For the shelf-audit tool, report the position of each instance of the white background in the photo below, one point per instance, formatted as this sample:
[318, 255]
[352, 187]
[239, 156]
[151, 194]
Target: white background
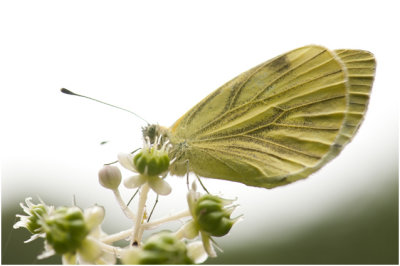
[160, 58]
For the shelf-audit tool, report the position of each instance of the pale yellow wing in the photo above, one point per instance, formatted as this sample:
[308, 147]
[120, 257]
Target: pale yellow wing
[278, 122]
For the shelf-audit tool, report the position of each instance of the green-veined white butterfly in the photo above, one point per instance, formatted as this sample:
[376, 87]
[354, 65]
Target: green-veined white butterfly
[277, 122]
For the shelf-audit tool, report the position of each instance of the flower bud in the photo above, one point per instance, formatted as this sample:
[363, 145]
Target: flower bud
[161, 248]
[151, 162]
[33, 223]
[110, 177]
[211, 216]
[65, 229]
[34, 219]
[94, 216]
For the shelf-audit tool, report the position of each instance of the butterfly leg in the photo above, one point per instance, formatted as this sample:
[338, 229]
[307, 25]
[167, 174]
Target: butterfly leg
[187, 174]
[130, 200]
[198, 178]
[201, 183]
[154, 206]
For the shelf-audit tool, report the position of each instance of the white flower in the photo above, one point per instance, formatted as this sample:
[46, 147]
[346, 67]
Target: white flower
[34, 220]
[156, 183]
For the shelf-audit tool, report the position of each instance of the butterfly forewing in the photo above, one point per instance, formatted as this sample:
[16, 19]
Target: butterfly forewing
[279, 121]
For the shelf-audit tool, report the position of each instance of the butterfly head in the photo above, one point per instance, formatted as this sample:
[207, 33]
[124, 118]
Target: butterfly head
[154, 132]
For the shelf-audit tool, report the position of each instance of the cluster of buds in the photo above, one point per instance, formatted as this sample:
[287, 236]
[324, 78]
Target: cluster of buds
[76, 235]
[68, 231]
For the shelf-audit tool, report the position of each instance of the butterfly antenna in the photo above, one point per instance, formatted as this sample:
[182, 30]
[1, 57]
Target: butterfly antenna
[116, 161]
[63, 90]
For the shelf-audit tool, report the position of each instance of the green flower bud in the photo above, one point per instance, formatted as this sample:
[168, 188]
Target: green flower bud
[151, 161]
[164, 248]
[211, 216]
[65, 229]
[110, 177]
[33, 223]
[34, 220]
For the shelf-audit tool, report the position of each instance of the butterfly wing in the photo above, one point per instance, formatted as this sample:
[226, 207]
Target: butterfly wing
[278, 122]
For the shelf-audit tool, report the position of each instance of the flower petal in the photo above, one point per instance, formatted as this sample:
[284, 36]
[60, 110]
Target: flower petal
[131, 255]
[22, 222]
[69, 259]
[135, 181]
[160, 186]
[190, 230]
[94, 216]
[207, 244]
[197, 252]
[97, 233]
[89, 251]
[106, 259]
[48, 251]
[28, 202]
[126, 160]
[34, 237]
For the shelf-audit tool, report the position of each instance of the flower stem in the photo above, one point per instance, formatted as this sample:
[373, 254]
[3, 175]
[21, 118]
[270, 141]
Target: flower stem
[108, 248]
[128, 213]
[174, 217]
[140, 212]
[118, 236]
[180, 233]
[126, 233]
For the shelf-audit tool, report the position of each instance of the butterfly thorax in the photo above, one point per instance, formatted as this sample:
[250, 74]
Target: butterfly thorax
[180, 156]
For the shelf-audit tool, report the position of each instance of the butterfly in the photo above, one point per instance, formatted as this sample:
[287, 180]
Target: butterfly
[277, 122]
